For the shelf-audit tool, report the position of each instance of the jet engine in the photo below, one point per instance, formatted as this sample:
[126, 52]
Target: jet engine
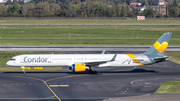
[79, 67]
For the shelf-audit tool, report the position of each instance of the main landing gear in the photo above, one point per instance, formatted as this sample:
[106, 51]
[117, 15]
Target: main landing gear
[92, 71]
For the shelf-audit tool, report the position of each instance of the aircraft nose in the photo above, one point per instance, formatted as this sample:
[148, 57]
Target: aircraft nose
[8, 63]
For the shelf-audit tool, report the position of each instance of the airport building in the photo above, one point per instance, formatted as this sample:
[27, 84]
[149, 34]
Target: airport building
[161, 8]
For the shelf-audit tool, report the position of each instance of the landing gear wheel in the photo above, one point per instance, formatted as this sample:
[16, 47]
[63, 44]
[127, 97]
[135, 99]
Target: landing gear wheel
[92, 72]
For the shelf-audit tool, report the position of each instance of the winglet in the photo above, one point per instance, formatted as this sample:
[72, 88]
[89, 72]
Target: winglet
[114, 57]
[103, 52]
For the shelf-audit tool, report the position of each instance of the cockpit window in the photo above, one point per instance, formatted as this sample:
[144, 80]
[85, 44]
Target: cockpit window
[12, 59]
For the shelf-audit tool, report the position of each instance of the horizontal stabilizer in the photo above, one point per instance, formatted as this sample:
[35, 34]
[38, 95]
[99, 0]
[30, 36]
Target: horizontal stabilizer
[162, 59]
[103, 52]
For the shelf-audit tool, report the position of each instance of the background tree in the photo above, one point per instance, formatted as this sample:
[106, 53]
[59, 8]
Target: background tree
[54, 8]
[16, 8]
[8, 2]
[3, 10]
[149, 12]
[84, 8]
[118, 9]
[43, 9]
[175, 3]
[28, 10]
[174, 12]
[128, 2]
[75, 8]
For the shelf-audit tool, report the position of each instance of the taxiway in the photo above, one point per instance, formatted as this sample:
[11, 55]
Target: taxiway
[65, 85]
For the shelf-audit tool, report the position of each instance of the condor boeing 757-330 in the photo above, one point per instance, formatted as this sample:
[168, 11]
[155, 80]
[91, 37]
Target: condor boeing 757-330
[83, 62]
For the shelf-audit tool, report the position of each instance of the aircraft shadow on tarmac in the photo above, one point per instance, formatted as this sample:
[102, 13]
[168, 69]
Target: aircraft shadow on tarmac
[137, 70]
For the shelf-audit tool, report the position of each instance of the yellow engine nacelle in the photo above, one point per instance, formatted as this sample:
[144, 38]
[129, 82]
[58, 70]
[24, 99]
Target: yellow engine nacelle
[78, 67]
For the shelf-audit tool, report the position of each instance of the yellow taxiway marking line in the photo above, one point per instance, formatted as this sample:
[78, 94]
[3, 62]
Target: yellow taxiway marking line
[45, 82]
[59, 85]
[52, 91]
[63, 77]
[63, 85]
[42, 81]
[53, 85]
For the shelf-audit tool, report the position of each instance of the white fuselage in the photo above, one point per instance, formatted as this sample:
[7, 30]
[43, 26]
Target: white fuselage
[66, 60]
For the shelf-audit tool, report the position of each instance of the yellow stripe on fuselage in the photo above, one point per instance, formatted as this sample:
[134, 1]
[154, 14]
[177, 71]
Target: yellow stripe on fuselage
[134, 59]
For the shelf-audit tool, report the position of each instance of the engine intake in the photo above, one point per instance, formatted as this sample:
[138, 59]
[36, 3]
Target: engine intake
[78, 67]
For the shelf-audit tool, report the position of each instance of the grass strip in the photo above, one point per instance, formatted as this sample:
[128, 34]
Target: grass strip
[169, 87]
[175, 56]
[101, 35]
[86, 21]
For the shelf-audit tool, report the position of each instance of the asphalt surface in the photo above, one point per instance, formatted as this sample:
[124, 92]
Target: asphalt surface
[81, 48]
[113, 84]
[149, 97]
[89, 23]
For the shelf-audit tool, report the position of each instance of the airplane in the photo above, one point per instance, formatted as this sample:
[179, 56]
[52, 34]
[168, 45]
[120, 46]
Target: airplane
[83, 62]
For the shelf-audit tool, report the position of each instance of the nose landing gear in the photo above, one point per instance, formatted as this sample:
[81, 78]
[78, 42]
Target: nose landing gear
[23, 69]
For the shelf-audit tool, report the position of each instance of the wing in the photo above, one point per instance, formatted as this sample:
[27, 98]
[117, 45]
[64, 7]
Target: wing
[99, 62]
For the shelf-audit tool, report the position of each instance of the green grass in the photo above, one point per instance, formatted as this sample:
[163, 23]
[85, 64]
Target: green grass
[175, 56]
[169, 87]
[87, 21]
[104, 35]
